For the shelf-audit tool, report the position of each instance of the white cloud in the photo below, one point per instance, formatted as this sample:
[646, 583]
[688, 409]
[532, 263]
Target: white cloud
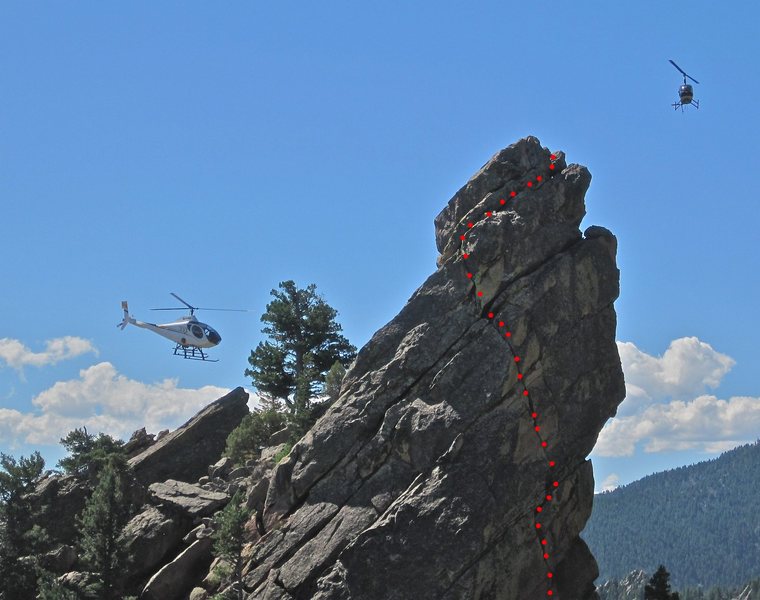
[610, 483]
[104, 400]
[689, 367]
[17, 355]
[705, 424]
[667, 407]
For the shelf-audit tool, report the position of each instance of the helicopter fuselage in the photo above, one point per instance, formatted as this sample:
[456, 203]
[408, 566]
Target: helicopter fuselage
[186, 332]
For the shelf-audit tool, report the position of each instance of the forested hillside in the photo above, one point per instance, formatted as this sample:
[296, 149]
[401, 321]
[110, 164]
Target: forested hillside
[701, 521]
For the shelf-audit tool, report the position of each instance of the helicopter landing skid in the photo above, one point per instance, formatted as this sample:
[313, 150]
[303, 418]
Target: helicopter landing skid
[192, 353]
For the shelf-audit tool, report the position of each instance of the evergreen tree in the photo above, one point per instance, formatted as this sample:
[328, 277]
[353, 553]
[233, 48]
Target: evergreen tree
[18, 543]
[229, 538]
[304, 342]
[101, 523]
[87, 453]
[658, 587]
[247, 439]
[333, 380]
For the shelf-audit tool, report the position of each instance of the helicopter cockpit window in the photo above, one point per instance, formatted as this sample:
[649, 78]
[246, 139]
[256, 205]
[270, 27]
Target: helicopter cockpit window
[197, 331]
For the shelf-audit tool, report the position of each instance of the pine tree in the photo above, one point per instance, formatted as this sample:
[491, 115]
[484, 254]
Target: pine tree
[333, 380]
[18, 543]
[229, 538]
[87, 453]
[658, 587]
[101, 523]
[304, 342]
[247, 439]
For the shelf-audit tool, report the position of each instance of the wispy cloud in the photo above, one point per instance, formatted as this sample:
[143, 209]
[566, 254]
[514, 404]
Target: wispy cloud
[17, 356]
[104, 400]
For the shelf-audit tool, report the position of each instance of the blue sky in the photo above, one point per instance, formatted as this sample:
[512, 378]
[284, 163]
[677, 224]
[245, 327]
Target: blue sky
[216, 151]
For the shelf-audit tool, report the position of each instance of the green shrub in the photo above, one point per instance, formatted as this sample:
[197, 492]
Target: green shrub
[283, 452]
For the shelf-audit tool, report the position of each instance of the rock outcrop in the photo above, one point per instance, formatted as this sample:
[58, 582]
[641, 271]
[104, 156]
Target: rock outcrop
[453, 465]
[185, 453]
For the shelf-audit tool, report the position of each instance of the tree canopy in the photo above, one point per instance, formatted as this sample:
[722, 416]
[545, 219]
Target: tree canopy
[658, 587]
[88, 454]
[304, 343]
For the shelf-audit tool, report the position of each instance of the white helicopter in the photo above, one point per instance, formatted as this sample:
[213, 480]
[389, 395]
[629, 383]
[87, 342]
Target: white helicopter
[188, 333]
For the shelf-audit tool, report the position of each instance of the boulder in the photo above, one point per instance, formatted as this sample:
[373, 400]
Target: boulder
[55, 502]
[150, 536]
[221, 468]
[83, 584]
[139, 441]
[238, 473]
[188, 499]
[184, 454]
[282, 436]
[179, 576]
[471, 410]
[59, 560]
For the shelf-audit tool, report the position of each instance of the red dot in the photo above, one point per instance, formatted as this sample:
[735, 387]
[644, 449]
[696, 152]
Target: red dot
[534, 415]
[539, 178]
[469, 275]
[508, 334]
[548, 497]
[530, 184]
[556, 484]
[465, 256]
[490, 315]
[537, 428]
[461, 237]
[525, 393]
[470, 225]
[551, 463]
[549, 575]
[519, 375]
[544, 444]
[501, 323]
[502, 201]
[538, 525]
[553, 157]
[549, 593]
[551, 167]
[513, 194]
[480, 293]
[488, 213]
[539, 509]
[546, 556]
[517, 359]
[543, 542]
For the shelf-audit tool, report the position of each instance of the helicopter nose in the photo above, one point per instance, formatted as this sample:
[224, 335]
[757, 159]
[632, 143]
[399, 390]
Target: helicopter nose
[214, 337]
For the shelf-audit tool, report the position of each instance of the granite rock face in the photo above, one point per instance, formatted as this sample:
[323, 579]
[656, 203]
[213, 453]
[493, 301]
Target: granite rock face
[463, 415]
[185, 453]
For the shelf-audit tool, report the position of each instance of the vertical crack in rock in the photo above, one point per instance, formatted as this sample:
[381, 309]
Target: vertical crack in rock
[423, 480]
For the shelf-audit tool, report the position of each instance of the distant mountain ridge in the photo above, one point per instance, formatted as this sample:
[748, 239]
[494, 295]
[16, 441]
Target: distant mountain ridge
[700, 521]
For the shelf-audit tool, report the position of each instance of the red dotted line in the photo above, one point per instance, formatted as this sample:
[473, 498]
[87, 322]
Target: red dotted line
[552, 487]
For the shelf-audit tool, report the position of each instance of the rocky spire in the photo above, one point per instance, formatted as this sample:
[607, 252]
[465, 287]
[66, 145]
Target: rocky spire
[453, 465]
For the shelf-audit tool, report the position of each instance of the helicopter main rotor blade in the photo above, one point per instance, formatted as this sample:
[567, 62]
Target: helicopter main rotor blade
[224, 309]
[685, 74]
[677, 67]
[183, 302]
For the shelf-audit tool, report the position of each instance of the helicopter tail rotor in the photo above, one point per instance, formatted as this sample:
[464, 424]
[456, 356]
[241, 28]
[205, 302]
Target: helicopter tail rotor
[127, 319]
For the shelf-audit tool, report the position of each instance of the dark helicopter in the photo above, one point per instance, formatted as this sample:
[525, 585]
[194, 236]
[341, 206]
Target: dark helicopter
[685, 92]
